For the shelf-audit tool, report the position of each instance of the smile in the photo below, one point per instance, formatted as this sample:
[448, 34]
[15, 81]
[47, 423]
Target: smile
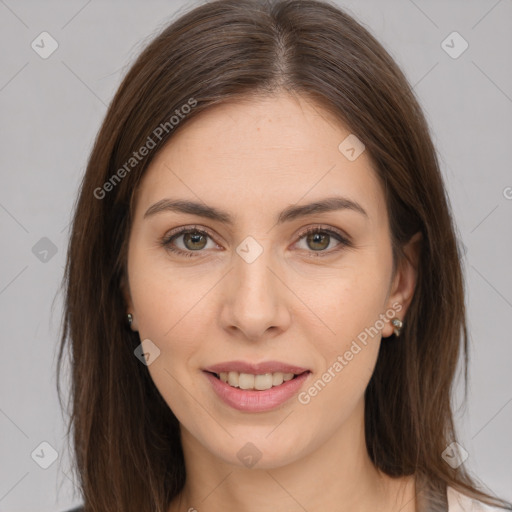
[258, 382]
[255, 393]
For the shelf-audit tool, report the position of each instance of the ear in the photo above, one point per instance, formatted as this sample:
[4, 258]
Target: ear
[125, 292]
[404, 282]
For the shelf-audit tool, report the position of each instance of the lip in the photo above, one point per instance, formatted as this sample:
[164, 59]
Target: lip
[253, 400]
[256, 368]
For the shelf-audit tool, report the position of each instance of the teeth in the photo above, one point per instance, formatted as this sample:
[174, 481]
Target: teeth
[246, 381]
[258, 382]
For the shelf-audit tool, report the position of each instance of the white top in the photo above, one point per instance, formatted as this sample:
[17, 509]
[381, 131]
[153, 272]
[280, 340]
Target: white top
[458, 502]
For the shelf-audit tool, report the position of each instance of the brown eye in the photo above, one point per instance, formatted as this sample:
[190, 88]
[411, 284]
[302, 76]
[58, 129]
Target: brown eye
[186, 242]
[318, 241]
[194, 241]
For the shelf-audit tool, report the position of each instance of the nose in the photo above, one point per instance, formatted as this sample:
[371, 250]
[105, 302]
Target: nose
[255, 302]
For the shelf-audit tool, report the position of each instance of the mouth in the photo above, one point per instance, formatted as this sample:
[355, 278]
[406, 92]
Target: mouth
[255, 382]
[255, 393]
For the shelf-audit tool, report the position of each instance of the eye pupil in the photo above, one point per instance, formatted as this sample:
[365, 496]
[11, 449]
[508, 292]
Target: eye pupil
[316, 238]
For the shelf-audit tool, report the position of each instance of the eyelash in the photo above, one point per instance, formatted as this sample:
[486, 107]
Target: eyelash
[344, 241]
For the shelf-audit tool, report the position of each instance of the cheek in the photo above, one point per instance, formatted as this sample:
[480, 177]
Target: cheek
[350, 300]
[170, 306]
[174, 322]
[350, 304]
[348, 356]
[168, 313]
[162, 297]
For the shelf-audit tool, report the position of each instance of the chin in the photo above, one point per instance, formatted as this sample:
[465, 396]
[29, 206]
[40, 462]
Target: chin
[257, 449]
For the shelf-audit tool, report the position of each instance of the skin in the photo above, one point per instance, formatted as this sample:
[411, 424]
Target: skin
[253, 159]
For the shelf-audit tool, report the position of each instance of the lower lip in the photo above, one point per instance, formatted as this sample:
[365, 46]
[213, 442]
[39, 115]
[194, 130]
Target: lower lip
[256, 401]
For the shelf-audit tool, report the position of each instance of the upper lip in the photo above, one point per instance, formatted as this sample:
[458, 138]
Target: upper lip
[256, 368]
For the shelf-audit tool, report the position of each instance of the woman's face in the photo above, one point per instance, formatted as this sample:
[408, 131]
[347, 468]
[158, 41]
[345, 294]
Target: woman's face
[256, 288]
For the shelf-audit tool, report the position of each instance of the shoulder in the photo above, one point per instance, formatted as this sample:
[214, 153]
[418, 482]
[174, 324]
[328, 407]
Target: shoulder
[458, 502]
[76, 509]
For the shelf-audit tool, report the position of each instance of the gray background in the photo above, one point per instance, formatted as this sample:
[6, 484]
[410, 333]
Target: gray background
[52, 108]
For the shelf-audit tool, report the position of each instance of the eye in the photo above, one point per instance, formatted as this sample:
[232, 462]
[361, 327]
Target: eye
[193, 240]
[318, 239]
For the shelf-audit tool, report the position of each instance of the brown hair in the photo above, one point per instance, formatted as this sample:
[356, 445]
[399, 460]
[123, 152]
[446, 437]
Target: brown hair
[126, 438]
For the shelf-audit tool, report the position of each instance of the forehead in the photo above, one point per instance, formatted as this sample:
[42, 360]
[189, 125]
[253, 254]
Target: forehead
[261, 153]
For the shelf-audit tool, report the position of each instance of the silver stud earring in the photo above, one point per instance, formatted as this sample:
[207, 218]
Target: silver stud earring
[130, 318]
[398, 326]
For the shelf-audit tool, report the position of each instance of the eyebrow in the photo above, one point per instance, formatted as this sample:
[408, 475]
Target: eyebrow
[290, 213]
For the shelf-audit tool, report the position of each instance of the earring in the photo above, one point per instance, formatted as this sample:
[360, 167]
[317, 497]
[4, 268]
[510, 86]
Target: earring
[398, 326]
[130, 318]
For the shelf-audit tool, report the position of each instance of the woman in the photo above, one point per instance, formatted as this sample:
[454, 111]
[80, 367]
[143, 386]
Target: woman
[263, 284]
